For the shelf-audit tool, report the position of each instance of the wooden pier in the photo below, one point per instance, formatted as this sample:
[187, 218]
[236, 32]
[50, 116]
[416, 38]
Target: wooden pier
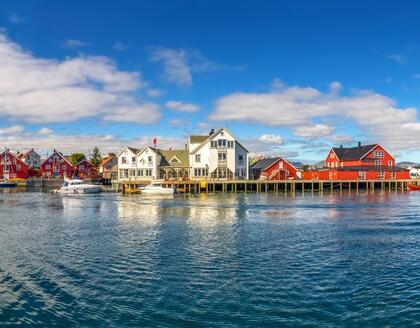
[261, 186]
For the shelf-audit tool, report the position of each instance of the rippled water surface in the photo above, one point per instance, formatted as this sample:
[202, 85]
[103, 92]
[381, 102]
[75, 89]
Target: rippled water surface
[209, 260]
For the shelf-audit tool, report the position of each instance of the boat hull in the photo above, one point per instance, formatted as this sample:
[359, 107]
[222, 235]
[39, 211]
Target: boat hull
[81, 190]
[163, 191]
[413, 187]
[8, 185]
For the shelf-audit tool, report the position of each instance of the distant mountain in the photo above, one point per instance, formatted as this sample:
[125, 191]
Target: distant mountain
[320, 164]
[406, 164]
[297, 165]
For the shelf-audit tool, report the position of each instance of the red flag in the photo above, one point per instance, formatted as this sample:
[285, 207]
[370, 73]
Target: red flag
[155, 141]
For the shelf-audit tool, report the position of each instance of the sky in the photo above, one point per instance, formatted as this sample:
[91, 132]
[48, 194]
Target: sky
[288, 78]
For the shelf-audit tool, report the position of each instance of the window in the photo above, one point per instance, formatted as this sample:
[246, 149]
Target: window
[123, 160]
[197, 158]
[48, 167]
[240, 157]
[231, 144]
[378, 154]
[222, 156]
[362, 175]
[18, 168]
[331, 175]
[221, 142]
[64, 168]
[390, 163]
[393, 175]
[378, 162]
[213, 144]
[81, 167]
[133, 160]
[381, 175]
[150, 159]
[55, 168]
[140, 173]
[200, 172]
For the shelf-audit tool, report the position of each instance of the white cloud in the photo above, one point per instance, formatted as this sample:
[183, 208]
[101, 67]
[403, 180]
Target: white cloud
[314, 131]
[16, 19]
[38, 90]
[154, 93]
[72, 43]
[298, 107]
[399, 58]
[121, 46]
[45, 131]
[180, 106]
[12, 129]
[180, 64]
[175, 65]
[271, 139]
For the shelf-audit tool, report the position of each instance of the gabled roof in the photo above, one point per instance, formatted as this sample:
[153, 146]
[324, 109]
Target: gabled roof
[198, 139]
[265, 163]
[212, 136]
[59, 154]
[353, 153]
[134, 150]
[85, 160]
[168, 155]
[106, 160]
[13, 155]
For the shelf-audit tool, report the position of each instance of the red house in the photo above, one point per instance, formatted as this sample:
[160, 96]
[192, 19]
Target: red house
[86, 170]
[275, 168]
[11, 167]
[56, 165]
[370, 162]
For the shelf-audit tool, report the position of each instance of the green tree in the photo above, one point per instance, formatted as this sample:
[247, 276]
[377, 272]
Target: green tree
[77, 158]
[96, 157]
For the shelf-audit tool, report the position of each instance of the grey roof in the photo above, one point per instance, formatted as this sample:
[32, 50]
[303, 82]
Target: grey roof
[134, 150]
[265, 163]
[198, 139]
[370, 168]
[167, 155]
[353, 153]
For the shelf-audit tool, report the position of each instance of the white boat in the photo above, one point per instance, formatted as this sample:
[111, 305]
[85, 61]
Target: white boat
[78, 186]
[157, 188]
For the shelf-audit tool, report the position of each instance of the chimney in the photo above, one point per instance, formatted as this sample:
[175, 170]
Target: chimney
[211, 132]
[186, 147]
[359, 144]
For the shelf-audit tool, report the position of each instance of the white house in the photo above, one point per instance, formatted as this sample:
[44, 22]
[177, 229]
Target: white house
[218, 156]
[127, 163]
[139, 164]
[148, 160]
[31, 158]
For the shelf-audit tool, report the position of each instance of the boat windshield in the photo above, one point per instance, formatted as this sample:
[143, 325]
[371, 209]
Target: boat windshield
[76, 183]
[65, 184]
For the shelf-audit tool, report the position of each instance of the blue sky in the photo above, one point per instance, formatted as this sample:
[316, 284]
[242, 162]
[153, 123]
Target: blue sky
[289, 78]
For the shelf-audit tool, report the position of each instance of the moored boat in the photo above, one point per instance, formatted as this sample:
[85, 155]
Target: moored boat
[412, 187]
[78, 186]
[157, 188]
[8, 184]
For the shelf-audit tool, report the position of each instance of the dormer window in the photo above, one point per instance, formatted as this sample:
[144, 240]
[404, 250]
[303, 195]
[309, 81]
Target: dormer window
[175, 160]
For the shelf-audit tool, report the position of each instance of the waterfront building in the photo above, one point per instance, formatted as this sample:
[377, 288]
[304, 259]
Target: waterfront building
[86, 170]
[108, 169]
[127, 163]
[32, 158]
[275, 168]
[363, 162]
[56, 165]
[174, 164]
[12, 167]
[218, 155]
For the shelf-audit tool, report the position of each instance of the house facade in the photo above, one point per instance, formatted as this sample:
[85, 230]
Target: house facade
[275, 168]
[218, 156]
[370, 162]
[56, 165]
[12, 167]
[31, 158]
[108, 169]
[174, 165]
[86, 170]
